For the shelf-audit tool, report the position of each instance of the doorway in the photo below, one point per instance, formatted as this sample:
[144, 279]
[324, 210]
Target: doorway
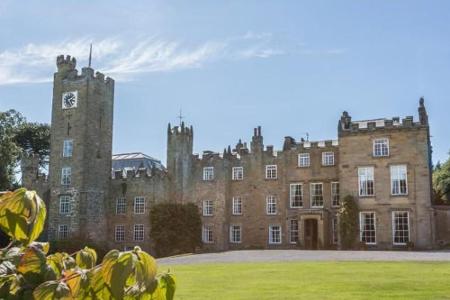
[311, 234]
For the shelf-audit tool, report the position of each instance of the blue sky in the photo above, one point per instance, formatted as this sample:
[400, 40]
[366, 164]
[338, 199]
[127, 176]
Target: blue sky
[290, 66]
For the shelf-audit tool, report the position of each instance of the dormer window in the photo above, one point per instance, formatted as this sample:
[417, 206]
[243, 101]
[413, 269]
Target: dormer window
[381, 147]
[208, 173]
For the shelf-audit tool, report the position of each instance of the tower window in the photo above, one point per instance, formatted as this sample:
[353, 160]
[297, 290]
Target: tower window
[63, 232]
[138, 232]
[66, 176]
[208, 173]
[235, 233]
[121, 206]
[381, 147]
[274, 234]
[237, 173]
[271, 205]
[119, 233]
[316, 195]
[271, 172]
[139, 205]
[304, 160]
[399, 182]
[237, 206]
[207, 208]
[68, 148]
[64, 204]
[207, 234]
[327, 158]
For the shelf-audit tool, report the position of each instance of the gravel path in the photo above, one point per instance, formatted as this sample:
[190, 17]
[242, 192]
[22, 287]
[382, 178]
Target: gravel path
[304, 255]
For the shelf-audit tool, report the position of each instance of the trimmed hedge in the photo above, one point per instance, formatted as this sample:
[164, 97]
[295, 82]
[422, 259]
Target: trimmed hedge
[175, 228]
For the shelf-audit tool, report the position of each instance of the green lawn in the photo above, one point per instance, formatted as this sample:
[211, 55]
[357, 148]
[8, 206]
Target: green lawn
[313, 280]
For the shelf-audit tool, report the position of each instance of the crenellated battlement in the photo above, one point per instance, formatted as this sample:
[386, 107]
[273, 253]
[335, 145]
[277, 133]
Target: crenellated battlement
[66, 62]
[67, 68]
[347, 126]
[180, 130]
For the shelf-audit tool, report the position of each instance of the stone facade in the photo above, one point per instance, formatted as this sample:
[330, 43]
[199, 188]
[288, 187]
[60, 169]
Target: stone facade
[249, 197]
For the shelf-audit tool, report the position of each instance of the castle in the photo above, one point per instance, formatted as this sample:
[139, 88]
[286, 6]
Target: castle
[250, 196]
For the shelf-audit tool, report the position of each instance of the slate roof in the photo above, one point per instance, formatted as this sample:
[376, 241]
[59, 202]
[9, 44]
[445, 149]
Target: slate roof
[135, 161]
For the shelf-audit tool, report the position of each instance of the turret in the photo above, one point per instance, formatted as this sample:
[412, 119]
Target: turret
[180, 140]
[66, 64]
[423, 116]
[30, 169]
[257, 144]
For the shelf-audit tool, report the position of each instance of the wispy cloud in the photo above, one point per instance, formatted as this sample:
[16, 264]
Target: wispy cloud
[123, 59]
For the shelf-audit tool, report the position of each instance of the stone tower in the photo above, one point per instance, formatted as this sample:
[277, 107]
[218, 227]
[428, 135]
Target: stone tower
[180, 141]
[81, 150]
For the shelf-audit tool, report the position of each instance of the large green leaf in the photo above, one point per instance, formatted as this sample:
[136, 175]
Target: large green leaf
[116, 269]
[167, 285]
[97, 288]
[86, 258]
[145, 268]
[22, 215]
[32, 261]
[51, 290]
[56, 262]
[77, 281]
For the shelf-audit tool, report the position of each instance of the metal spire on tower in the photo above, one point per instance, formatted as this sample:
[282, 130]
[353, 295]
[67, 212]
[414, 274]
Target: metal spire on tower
[90, 56]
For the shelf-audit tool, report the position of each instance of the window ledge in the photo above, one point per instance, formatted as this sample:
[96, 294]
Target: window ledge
[399, 195]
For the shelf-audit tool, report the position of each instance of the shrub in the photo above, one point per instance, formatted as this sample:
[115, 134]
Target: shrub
[27, 272]
[348, 222]
[181, 234]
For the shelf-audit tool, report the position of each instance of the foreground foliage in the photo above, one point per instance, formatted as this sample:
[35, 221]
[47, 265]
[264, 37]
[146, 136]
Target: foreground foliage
[28, 272]
[182, 234]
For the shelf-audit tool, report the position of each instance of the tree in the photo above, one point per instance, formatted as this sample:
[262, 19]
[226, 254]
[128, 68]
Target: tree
[348, 222]
[28, 272]
[9, 150]
[441, 183]
[181, 234]
[34, 138]
[16, 137]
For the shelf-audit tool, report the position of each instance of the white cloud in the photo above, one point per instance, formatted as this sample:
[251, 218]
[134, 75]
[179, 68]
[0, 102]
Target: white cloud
[123, 59]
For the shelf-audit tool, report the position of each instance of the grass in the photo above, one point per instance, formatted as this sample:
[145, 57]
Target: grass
[313, 280]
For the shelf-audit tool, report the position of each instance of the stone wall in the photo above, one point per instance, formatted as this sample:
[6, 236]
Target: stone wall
[153, 186]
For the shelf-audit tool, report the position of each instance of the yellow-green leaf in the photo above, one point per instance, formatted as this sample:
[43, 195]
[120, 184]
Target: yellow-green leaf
[32, 261]
[116, 269]
[167, 285]
[86, 258]
[146, 268]
[51, 290]
[22, 215]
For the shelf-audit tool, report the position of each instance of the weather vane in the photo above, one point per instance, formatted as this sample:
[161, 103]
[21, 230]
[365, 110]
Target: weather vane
[180, 116]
